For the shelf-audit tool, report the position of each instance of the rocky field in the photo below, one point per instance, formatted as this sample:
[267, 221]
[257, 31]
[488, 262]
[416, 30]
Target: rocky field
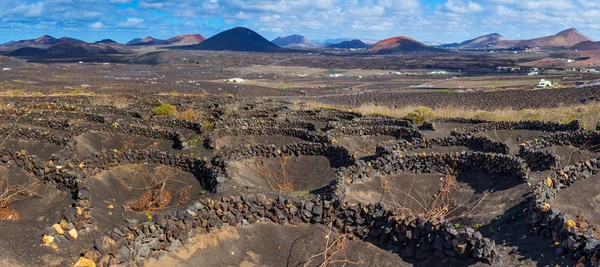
[245, 159]
[129, 180]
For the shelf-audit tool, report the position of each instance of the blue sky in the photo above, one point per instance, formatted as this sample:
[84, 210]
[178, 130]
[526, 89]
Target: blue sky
[424, 20]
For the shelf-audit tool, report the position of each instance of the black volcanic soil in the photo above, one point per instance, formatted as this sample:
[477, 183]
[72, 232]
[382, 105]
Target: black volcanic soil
[363, 146]
[570, 155]
[516, 99]
[581, 198]
[478, 198]
[21, 240]
[305, 173]
[257, 139]
[127, 183]
[41, 149]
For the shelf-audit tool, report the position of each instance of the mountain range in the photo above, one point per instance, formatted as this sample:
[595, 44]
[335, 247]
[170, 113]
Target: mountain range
[564, 39]
[243, 39]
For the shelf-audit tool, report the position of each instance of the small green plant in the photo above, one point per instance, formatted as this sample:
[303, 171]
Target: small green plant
[457, 225]
[443, 91]
[165, 110]
[174, 93]
[208, 125]
[477, 226]
[420, 114]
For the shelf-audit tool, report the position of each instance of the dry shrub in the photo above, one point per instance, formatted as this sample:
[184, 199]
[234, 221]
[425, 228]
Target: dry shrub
[7, 214]
[331, 254]
[184, 196]
[441, 205]
[11, 193]
[190, 114]
[152, 200]
[155, 197]
[420, 114]
[276, 180]
[112, 100]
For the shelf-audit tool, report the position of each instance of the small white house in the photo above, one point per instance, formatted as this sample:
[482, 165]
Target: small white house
[439, 72]
[336, 75]
[544, 84]
[235, 80]
[533, 73]
[6, 69]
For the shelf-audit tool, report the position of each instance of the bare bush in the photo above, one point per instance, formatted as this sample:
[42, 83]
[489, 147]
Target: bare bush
[277, 180]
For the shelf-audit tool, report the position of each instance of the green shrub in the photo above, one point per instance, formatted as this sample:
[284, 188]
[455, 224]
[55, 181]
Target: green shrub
[165, 110]
[420, 114]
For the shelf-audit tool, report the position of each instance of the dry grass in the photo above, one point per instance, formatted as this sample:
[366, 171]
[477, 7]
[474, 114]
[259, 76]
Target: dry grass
[112, 100]
[190, 114]
[588, 114]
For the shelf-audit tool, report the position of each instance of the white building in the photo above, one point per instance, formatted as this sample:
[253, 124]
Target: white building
[336, 75]
[544, 84]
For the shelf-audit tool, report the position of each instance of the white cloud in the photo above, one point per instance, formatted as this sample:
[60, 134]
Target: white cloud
[97, 25]
[29, 10]
[461, 6]
[132, 23]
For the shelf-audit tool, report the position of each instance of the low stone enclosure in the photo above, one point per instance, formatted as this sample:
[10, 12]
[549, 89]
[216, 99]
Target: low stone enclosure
[573, 234]
[419, 236]
[537, 154]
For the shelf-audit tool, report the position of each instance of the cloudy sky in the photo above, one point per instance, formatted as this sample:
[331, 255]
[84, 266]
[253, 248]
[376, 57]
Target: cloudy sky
[424, 20]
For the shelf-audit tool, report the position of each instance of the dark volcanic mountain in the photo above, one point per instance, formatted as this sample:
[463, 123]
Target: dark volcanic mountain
[107, 42]
[400, 45]
[237, 39]
[294, 41]
[349, 44]
[587, 45]
[64, 50]
[147, 41]
[566, 38]
[186, 39]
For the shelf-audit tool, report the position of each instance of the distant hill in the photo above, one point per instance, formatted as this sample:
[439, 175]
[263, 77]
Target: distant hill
[566, 38]
[186, 39]
[11, 62]
[237, 39]
[147, 41]
[587, 45]
[294, 41]
[493, 40]
[106, 41]
[401, 45]
[64, 50]
[335, 41]
[349, 44]
[45, 40]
